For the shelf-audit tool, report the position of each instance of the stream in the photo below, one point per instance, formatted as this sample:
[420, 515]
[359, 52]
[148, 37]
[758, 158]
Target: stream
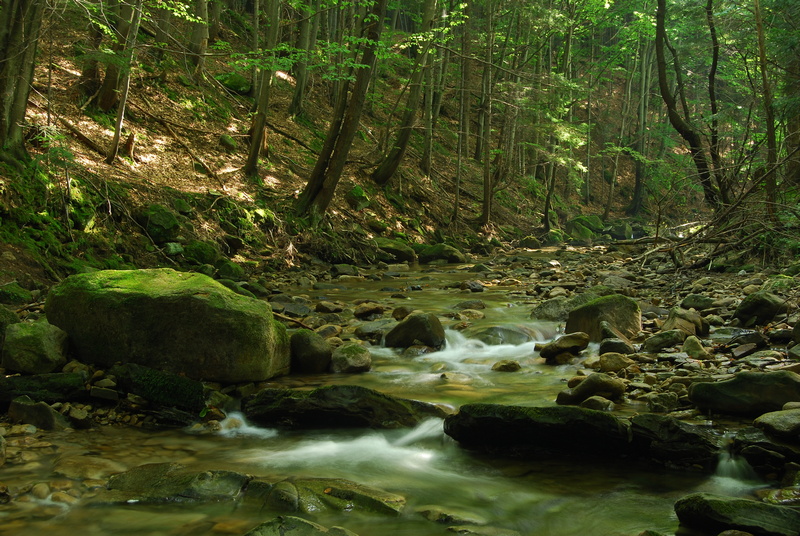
[548, 497]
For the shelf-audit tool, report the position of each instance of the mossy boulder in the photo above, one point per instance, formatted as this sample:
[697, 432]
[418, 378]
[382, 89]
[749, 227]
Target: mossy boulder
[357, 198]
[34, 348]
[621, 312]
[236, 82]
[201, 252]
[53, 387]
[185, 323]
[443, 252]
[714, 514]
[396, 250]
[554, 237]
[579, 232]
[159, 223]
[7, 317]
[311, 353]
[13, 294]
[160, 387]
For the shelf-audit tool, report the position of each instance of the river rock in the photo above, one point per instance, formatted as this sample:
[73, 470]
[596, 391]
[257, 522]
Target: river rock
[181, 322]
[616, 345]
[571, 345]
[34, 348]
[671, 442]
[156, 483]
[506, 365]
[7, 317]
[783, 424]
[747, 393]
[767, 455]
[597, 384]
[395, 250]
[693, 347]
[79, 467]
[614, 362]
[698, 302]
[335, 406]
[374, 331]
[368, 311]
[443, 252]
[24, 410]
[716, 513]
[663, 339]
[160, 387]
[505, 334]
[759, 308]
[295, 526]
[2, 453]
[690, 322]
[310, 352]
[54, 387]
[557, 309]
[423, 327]
[621, 312]
[521, 430]
[314, 495]
[351, 358]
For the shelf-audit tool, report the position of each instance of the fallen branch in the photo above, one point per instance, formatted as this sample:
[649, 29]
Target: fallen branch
[289, 319]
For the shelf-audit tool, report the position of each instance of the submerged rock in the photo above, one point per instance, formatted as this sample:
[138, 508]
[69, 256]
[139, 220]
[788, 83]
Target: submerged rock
[156, 483]
[716, 513]
[295, 526]
[26, 411]
[336, 406]
[315, 495]
[180, 322]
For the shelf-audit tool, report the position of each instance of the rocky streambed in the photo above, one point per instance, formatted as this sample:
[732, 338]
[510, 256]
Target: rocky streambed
[579, 392]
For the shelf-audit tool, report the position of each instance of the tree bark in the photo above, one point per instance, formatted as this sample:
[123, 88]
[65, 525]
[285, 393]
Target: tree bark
[130, 51]
[769, 116]
[306, 38]
[264, 91]
[199, 40]
[386, 169]
[682, 126]
[20, 24]
[318, 192]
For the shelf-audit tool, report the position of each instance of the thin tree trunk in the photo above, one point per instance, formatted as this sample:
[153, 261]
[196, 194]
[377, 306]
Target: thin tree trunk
[130, 51]
[305, 42]
[199, 40]
[687, 132]
[640, 169]
[318, 192]
[463, 112]
[386, 169]
[769, 116]
[20, 24]
[488, 193]
[264, 91]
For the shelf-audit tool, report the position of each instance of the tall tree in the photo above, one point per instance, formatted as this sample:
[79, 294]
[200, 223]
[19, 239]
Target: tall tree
[20, 24]
[130, 51]
[680, 123]
[392, 159]
[321, 185]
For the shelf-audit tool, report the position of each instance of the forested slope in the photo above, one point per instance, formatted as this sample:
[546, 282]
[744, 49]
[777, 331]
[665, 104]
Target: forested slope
[161, 132]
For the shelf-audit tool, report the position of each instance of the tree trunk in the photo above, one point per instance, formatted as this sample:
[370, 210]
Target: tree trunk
[264, 91]
[318, 192]
[130, 52]
[682, 126]
[769, 116]
[391, 161]
[488, 190]
[640, 169]
[306, 39]
[199, 40]
[20, 23]
[120, 16]
[463, 112]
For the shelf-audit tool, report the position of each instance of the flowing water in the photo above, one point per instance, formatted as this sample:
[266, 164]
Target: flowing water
[564, 497]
